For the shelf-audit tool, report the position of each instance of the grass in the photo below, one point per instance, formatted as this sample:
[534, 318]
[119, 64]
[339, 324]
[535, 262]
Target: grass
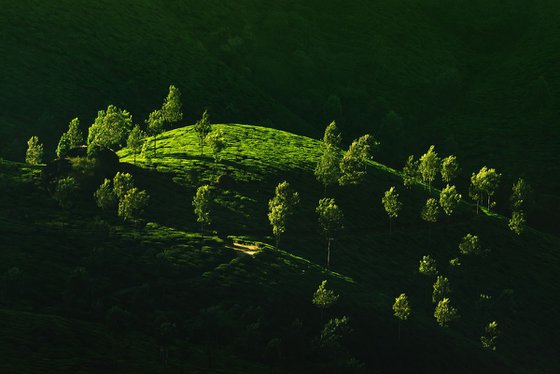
[164, 271]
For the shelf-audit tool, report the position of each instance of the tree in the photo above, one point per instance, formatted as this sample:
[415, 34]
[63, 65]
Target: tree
[63, 146]
[428, 266]
[202, 128]
[411, 174]
[430, 212]
[488, 340]
[216, 142]
[172, 107]
[201, 203]
[429, 166]
[280, 208]
[367, 145]
[135, 141]
[517, 222]
[469, 245]
[74, 134]
[133, 204]
[333, 332]
[34, 154]
[324, 298]
[441, 289]
[122, 183]
[401, 309]
[352, 165]
[332, 136]
[390, 201]
[520, 194]
[64, 193]
[486, 181]
[449, 169]
[147, 151]
[476, 195]
[154, 125]
[110, 129]
[327, 170]
[105, 198]
[330, 222]
[449, 199]
[445, 313]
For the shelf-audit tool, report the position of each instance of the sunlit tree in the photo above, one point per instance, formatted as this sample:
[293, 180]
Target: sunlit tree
[445, 313]
[280, 208]
[34, 154]
[392, 205]
[401, 309]
[201, 203]
[330, 222]
[449, 198]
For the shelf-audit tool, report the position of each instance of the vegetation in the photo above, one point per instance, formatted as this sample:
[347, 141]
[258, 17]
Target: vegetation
[280, 208]
[428, 266]
[330, 221]
[392, 204]
[132, 204]
[445, 313]
[430, 212]
[110, 129]
[202, 129]
[34, 155]
[201, 203]
[470, 245]
[401, 310]
[490, 336]
[449, 198]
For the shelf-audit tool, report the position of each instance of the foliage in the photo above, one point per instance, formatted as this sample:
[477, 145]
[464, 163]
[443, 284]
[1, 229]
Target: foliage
[367, 145]
[110, 129]
[441, 289]
[327, 170]
[430, 212]
[455, 262]
[352, 165]
[332, 136]
[74, 134]
[201, 203]
[410, 173]
[202, 128]
[445, 313]
[333, 332]
[520, 194]
[429, 166]
[330, 221]
[469, 245]
[216, 142]
[428, 266]
[486, 181]
[449, 198]
[105, 198]
[135, 141]
[281, 207]
[64, 191]
[449, 169]
[34, 155]
[491, 332]
[122, 183]
[391, 203]
[132, 204]
[171, 109]
[324, 298]
[63, 146]
[517, 222]
[401, 308]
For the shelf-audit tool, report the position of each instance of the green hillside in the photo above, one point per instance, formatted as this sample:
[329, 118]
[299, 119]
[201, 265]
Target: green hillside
[251, 312]
[478, 78]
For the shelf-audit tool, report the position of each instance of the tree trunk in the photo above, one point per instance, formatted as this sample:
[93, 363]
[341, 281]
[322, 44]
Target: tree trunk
[477, 202]
[390, 225]
[399, 330]
[488, 203]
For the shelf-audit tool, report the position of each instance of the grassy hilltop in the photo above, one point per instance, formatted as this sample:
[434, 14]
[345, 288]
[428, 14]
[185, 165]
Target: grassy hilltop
[478, 78]
[92, 294]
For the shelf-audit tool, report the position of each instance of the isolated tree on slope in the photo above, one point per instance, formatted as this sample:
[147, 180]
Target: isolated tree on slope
[330, 222]
[401, 310]
[428, 266]
[216, 142]
[327, 170]
[441, 289]
[202, 128]
[449, 199]
[367, 145]
[133, 204]
[332, 136]
[122, 183]
[201, 203]
[70, 139]
[280, 208]
[486, 181]
[171, 109]
[517, 222]
[445, 313]
[324, 298]
[135, 141]
[105, 198]
[430, 212]
[333, 332]
[470, 245]
[392, 205]
[352, 165]
[110, 129]
[411, 174]
[520, 194]
[488, 340]
[449, 169]
[34, 154]
[154, 125]
[429, 166]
